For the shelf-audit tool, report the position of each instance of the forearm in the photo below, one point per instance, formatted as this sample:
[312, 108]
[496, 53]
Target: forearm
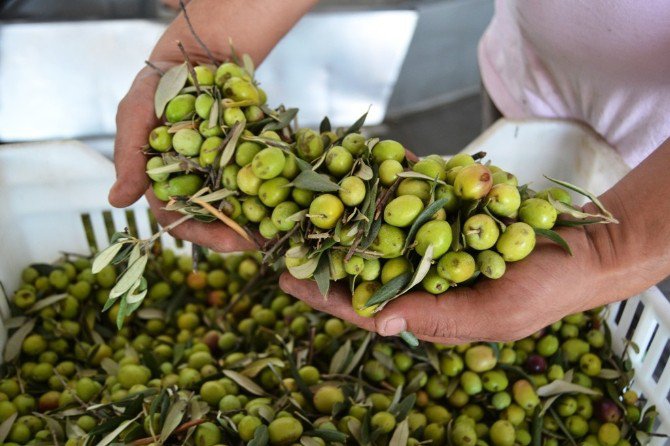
[635, 254]
[254, 26]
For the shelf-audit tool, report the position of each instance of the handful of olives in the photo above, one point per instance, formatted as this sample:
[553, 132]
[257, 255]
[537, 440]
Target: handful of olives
[338, 206]
[220, 356]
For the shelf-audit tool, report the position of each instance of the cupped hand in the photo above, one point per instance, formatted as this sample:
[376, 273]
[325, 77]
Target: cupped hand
[532, 294]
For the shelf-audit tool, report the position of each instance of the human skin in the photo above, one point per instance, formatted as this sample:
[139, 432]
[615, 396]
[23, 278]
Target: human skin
[610, 262]
[255, 27]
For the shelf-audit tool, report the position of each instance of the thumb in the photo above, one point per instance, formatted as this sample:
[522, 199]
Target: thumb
[135, 118]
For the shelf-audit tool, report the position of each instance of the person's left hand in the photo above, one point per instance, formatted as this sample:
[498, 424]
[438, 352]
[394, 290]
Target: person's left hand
[532, 294]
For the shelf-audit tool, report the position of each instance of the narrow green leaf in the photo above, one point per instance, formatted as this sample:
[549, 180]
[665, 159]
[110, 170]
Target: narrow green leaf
[322, 275]
[325, 125]
[259, 365]
[356, 359]
[422, 218]
[389, 290]
[105, 257]
[284, 119]
[328, 435]
[173, 419]
[421, 270]
[116, 432]
[6, 426]
[132, 274]
[572, 211]
[15, 342]
[609, 374]
[244, 382]
[554, 237]
[400, 435]
[229, 149]
[560, 386]
[305, 270]
[585, 193]
[340, 358]
[169, 86]
[168, 168]
[403, 408]
[355, 127]
[43, 303]
[574, 223]
[214, 112]
[419, 176]
[364, 172]
[261, 436]
[313, 181]
[248, 64]
[409, 338]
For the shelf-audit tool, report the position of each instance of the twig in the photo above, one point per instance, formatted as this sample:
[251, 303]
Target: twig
[180, 429]
[232, 224]
[169, 227]
[189, 65]
[280, 242]
[381, 202]
[195, 35]
[150, 64]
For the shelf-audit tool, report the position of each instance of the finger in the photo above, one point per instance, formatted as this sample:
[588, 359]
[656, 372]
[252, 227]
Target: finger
[135, 118]
[338, 302]
[214, 235]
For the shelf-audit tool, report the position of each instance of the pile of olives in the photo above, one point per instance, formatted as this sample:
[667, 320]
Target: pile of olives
[220, 356]
[338, 203]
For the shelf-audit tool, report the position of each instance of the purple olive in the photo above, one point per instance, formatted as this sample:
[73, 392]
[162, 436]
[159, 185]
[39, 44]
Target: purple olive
[607, 411]
[536, 364]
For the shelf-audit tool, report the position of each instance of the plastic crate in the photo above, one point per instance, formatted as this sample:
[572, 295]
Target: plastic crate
[53, 191]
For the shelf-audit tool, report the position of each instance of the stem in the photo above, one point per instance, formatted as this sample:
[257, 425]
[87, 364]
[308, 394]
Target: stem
[189, 65]
[150, 64]
[195, 35]
[168, 228]
[224, 218]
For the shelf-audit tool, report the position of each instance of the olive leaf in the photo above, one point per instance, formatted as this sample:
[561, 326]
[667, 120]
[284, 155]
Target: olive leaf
[309, 441]
[12, 322]
[169, 86]
[325, 125]
[213, 120]
[106, 256]
[339, 360]
[298, 216]
[389, 290]
[322, 275]
[259, 365]
[554, 237]
[328, 435]
[248, 64]
[244, 382]
[587, 194]
[423, 217]
[14, 343]
[110, 366]
[305, 270]
[261, 436]
[173, 419]
[421, 270]
[132, 274]
[573, 223]
[402, 409]
[609, 374]
[6, 426]
[356, 359]
[409, 338]
[43, 303]
[217, 195]
[72, 430]
[560, 386]
[419, 176]
[313, 181]
[355, 127]
[116, 432]
[364, 172]
[151, 313]
[401, 434]
[283, 120]
[415, 383]
[168, 168]
[229, 149]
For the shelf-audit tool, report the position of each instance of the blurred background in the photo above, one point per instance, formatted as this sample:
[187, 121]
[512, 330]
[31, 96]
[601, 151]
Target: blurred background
[64, 65]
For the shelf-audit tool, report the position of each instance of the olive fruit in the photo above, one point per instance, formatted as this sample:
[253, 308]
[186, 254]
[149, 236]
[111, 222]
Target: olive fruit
[326, 397]
[352, 191]
[556, 193]
[481, 232]
[241, 90]
[284, 431]
[325, 211]
[388, 150]
[268, 163]
[160, 139]
[389, 241]
[388, 171]
[187, 142]
[456, 267]
[503, 200]
[362, 293]
[339, 161]
[180, 108]
[516, 242]
[436, 233]
[354, 143]
[538, 213]
[403, 210]
[491, 264]
[473, 182]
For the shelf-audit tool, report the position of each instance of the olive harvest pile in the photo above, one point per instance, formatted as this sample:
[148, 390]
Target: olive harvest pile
[220, 356]
[337, 205]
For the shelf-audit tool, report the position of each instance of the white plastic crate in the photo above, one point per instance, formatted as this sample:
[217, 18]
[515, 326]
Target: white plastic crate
[46, 188]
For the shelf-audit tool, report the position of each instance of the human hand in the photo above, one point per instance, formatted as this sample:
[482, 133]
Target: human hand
[136, 117]
[532, 294]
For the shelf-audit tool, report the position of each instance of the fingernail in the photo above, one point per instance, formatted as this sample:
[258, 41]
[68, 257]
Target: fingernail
[394, 326]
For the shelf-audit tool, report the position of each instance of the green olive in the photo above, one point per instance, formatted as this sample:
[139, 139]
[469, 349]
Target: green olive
[480, 358]
[538, 213]
[524, 394]
[505, 178]
[233, 115]
[184, 185]
[362, 293]
[354, 265]
[434, 283]
[247, 181]
[384, 422]
[516, 242]
[481, 232]
[325, 210]
[209, 150]
[326, 397]
[491, 264]
[160, 139]
[339, 161]
[268, 163]
[436, 233]
[282, 212]
[154, 163]
[430, 168]
[460, 159]
[207, 131]
[241, 90]
[354, 143]
[132, 374]
[187, 142]
[254, 209]
[180, 108]
[456, 267]
[203, 74]
[403, 210]
[302, 196]
[452, 173]
[245, 153]
[371, 269]
[254, 113]
[309, 145]
[503, 200]
[203, 105]
[609, 434]
[389, 241]
[352, 191]
[388, 150]
[274, 191]
[473, 182]
[267, 229]
[502, 433]
[413, 186]
[590, 364]
[229, 177]
[447, 191]
[227, 70]
[394, 267]
[556, 193]
[207, 434]
[388, 172]
[291, 168]
[495, 381]
[284, 431]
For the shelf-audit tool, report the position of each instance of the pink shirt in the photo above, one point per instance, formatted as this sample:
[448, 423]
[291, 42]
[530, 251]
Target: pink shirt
[603, 62]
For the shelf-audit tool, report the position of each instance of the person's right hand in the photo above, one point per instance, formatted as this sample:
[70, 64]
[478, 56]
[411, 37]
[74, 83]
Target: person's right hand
[254, 26]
